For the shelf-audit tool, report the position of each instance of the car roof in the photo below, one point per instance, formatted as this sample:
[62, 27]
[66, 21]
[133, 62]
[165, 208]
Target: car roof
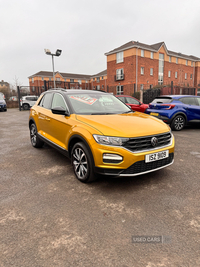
[71, 91]
[176, 96]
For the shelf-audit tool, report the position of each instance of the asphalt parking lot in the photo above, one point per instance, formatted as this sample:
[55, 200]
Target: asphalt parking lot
[48, 218]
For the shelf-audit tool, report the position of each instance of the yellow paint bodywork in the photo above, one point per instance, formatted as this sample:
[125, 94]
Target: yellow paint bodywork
[58, 129]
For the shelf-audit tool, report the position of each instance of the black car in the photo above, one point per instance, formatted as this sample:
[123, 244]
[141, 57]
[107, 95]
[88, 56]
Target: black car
[3, 105]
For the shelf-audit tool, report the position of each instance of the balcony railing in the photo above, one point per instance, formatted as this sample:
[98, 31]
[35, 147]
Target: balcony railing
[119, 77]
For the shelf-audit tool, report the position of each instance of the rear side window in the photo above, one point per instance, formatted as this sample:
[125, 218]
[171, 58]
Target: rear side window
[198, 100]
[162, 100]
[189, 101]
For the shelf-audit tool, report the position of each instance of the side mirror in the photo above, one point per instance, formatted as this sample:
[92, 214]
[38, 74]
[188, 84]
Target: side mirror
[60, 111]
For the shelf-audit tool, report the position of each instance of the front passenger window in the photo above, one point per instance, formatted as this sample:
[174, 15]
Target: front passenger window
[58, 101]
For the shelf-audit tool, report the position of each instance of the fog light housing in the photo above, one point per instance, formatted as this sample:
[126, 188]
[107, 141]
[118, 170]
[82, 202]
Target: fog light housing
[112, 158]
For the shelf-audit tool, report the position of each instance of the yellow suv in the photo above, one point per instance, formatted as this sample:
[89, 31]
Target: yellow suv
[100, 134]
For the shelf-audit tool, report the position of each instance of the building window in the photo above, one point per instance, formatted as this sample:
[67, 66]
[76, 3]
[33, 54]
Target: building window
[93, 79]
[119, 74]
[161, 68]
[170, 59]
[120, 57]
[120, 90]
[151, 55]
[102, 77]
[32, 80]
[49, 79]
[33, 89]
[176, 60]
[191, 63]
[58, 79]
[186, 62]
[185, 76]
[79, 82]
[151, 71]
[102, 86]
[98, 87]
[151, 86]
[142, 53]
[142, 70]
[191, 76]
[141, 86]
[98, 79]
[71, 80]
[42, 78]
[169, 73]
[176, 74]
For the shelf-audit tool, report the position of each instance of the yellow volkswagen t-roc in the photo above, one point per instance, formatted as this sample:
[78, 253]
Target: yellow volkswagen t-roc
[100, 134]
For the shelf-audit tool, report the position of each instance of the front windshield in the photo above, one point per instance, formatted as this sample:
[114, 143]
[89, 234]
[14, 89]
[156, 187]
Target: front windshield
[96, 103]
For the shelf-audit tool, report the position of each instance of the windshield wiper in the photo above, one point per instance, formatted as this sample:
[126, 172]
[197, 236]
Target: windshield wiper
[101, 113]
[128, 111]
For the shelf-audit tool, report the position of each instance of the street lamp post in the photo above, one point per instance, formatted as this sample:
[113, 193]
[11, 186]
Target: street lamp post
[57, 54]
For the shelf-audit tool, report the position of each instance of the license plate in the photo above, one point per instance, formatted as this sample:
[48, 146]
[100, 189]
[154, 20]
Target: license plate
[154, 114]
[157, 156]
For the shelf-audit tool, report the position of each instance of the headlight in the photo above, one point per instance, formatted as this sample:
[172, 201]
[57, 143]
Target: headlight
[110, 140]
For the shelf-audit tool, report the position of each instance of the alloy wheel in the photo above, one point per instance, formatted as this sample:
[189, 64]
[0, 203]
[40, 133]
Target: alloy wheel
[80, 163]
[33, 134]
[179, 123]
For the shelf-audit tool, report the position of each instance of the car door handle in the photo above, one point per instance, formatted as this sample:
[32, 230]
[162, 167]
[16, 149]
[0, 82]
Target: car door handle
[48, 119]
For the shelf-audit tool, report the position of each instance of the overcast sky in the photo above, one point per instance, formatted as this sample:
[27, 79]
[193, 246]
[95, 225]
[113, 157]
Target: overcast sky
[86, 29]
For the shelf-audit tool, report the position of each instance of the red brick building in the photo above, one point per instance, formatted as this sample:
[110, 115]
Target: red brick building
[67, 81]
[136, 66]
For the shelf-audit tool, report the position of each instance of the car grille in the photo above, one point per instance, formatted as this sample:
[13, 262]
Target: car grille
[141, 166]
[140, 144]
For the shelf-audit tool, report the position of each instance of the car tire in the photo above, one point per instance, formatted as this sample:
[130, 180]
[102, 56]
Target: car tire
[26, 106]
[5, 109]
[178, 123]
[35, 141]
[82, 162]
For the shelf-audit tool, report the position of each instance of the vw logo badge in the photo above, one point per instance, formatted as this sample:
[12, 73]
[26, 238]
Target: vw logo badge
[154, 141]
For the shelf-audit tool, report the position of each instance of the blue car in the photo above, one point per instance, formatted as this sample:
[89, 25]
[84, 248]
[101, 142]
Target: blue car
[3, 106]
[176, 110]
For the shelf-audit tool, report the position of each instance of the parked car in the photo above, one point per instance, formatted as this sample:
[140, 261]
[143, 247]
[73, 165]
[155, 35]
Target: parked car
[1, 94]
[133, 103]
[13, 98]
[27, 102]
[3, 105]
[100, 134]
[176, 110]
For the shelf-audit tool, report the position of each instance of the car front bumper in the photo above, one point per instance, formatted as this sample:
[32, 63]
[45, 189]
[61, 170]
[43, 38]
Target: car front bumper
[133, 164]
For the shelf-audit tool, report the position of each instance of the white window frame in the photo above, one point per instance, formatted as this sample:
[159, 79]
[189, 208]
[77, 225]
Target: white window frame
[79, 82]
[176, 60]
[142, 52]
[176, 75]
[98, 87]
[185, 76]
[142, 70]
[186, 62]
[120, 57]
[119, 74]
[191, 63]
[191, 76]
[120, 89]
[170, 59]
[32, 80]
[152, 55]
[151, 71]
[169, 73]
